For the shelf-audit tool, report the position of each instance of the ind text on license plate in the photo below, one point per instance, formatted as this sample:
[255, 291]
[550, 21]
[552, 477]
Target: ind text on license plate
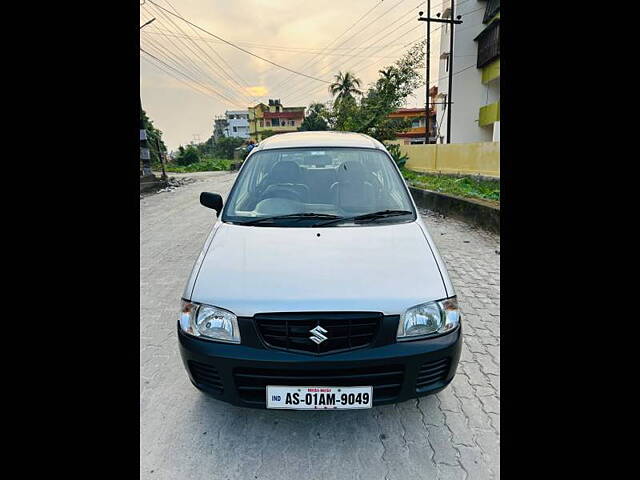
[313, 398]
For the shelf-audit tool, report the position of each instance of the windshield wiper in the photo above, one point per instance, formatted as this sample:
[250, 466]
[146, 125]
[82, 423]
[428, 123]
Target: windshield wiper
[366, 217]
[292, 216]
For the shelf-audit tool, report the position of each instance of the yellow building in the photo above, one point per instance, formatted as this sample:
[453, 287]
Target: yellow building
[265, 120]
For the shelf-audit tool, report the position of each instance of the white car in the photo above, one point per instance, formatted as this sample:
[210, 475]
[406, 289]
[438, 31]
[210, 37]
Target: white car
[319, 285]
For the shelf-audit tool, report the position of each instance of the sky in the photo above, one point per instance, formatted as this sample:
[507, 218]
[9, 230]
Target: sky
[202, 76]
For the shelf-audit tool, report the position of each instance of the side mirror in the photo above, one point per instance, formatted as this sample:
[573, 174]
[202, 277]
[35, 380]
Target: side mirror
[211, 200]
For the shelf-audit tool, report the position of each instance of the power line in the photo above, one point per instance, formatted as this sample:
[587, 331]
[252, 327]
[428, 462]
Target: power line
[246, 85]
[201, 59]
[190, 78]
[380, 49]
[259, 45]
[375, 43]
[196, 68]
[332, 64]
[194, 71]
[196, 89]
[298, 50]
[238, 47]
[295, 91]
[386, 46]
[332, 42]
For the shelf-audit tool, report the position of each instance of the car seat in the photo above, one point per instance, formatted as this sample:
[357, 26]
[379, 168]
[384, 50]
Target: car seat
[285, 181]
[352, 191]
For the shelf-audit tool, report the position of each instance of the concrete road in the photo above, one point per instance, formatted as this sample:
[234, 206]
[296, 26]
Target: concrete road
[186, 435]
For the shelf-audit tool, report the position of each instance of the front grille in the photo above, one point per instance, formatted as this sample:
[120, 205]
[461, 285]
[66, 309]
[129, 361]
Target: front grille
[386, 380]
[206, 376]
[431, 373]
[345, 331]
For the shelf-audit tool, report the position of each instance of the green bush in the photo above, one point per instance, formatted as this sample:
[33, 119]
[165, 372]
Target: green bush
[397, 155]
[187, 156]
[225, 146]
[205, 165]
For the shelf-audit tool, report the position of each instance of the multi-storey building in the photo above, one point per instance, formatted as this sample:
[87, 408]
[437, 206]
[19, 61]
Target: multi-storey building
[273, 118]
[220, 126]
[416, 133]
[237, 123]
[475, 109]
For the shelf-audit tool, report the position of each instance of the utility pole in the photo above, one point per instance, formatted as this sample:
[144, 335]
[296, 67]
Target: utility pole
[145, 156]
[161, 157]
[427, 123]
[451, 22]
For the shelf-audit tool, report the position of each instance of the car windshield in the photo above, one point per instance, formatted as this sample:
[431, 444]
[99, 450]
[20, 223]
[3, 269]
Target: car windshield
[302, 187]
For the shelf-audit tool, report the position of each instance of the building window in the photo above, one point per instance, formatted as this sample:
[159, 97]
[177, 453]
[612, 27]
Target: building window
[488, 44]
[415, 123]
[262, 123]
[445, 58]
[292, 123]
[275, 122]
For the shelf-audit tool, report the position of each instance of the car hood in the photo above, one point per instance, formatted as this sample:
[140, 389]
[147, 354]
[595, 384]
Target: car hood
[384, 268]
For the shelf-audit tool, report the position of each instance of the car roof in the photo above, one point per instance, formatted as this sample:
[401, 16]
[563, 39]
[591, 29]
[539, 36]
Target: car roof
[319, 139]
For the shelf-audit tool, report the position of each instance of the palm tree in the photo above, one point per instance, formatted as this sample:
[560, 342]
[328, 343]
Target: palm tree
[346, 86]
[388, 73]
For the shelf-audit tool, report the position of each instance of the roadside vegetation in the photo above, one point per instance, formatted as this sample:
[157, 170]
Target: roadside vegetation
[464, 186]
[209, 156]
[209, 164]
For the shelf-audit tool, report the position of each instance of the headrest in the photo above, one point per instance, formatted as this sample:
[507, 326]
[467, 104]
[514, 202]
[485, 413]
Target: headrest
[285, 169]
[351, 170]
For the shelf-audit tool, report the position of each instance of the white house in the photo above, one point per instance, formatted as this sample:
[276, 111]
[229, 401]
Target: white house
[475, 113]
[237, 123]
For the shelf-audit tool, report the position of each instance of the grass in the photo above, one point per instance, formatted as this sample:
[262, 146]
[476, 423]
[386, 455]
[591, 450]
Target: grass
[204, 165]
[468, 187]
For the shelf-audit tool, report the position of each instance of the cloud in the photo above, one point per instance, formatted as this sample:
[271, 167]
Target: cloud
[257, 91]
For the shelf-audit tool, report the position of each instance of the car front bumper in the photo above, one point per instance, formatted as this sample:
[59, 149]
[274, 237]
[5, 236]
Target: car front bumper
[238, 374]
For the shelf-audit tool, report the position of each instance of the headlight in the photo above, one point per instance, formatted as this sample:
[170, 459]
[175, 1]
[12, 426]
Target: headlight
[428, 319]
[210, 323]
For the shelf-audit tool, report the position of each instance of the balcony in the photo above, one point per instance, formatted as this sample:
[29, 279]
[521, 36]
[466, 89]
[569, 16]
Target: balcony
[488, 44]
[489, 114]
[491, 71]
[286, 128]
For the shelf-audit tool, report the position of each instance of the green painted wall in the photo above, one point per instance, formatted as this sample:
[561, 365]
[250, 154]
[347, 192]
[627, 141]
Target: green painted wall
[489, 114]
[491, 71]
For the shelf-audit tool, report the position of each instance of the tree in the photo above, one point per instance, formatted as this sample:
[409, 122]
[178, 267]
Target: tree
[187, 156]
[345, 87]
[154, 136]
[225, 147]
[315, 119]
[267, 133]
[206, 148]
[387, 94]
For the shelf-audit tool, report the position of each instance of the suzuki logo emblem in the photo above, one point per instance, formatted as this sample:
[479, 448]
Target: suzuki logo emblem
[317, 335]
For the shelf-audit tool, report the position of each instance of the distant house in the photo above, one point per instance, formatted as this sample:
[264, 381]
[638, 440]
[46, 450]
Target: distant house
[220, 125]
[415, 134]
[273, 118]
[238, 123]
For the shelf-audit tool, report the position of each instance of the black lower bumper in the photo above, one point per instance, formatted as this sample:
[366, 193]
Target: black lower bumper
[238, 374]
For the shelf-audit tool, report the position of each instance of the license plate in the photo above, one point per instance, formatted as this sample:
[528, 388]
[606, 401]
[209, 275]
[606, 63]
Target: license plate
[318, 398]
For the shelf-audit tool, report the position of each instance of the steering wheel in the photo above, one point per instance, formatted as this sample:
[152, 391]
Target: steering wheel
[282, 190]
